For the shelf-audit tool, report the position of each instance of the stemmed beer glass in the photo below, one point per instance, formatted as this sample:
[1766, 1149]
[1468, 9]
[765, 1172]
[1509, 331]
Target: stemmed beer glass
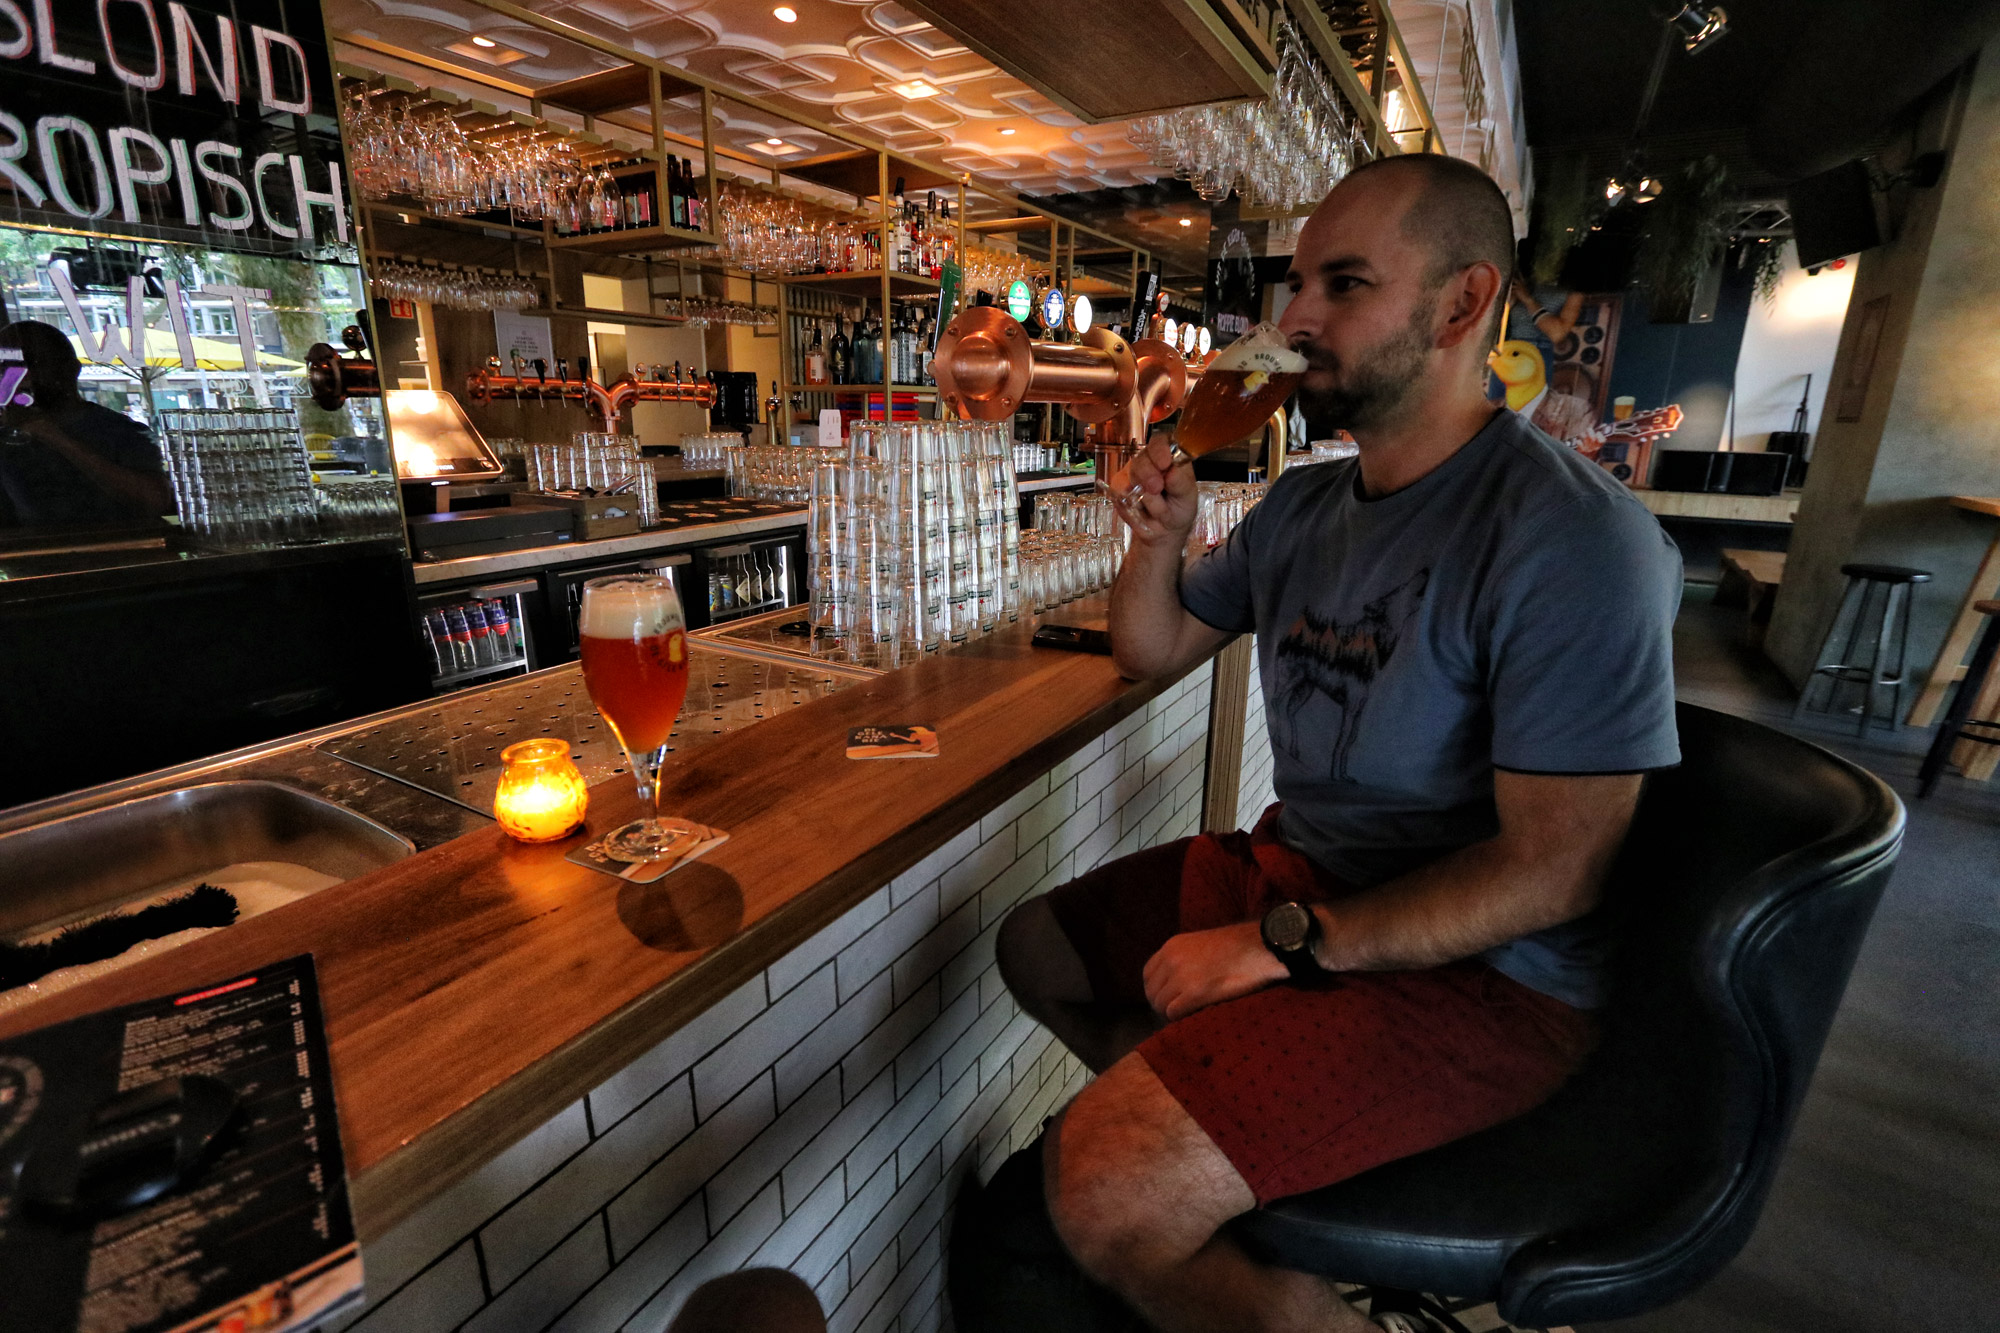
[635, 664]
[1233, 395]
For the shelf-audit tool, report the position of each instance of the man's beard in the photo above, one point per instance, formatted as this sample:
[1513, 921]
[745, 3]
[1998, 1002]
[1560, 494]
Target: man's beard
[1376, 386]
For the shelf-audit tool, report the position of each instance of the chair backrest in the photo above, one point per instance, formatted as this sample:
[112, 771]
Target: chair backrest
[1744, 891]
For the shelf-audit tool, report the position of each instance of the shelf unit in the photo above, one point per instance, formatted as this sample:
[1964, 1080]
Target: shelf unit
[882, 285]
[640, 82]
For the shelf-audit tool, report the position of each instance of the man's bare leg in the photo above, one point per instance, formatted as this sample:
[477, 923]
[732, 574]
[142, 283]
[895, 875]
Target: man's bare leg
[1139, 1193]
[1042, 970]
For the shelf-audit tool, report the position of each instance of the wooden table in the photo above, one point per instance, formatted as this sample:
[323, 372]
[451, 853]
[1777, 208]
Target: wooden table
[1975, 761]
[474, 990]
[1781, 508]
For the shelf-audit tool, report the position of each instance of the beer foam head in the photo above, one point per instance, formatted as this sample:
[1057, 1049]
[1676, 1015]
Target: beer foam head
[630, 611]
[1271, 356]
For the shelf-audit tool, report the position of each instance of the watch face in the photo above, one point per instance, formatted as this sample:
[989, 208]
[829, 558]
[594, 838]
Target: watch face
[1286, 926]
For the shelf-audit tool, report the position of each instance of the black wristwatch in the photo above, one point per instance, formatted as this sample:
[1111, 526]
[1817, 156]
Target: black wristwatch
[1291, 932]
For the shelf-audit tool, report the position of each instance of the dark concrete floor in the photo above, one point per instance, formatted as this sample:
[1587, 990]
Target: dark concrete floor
[1886, 1212]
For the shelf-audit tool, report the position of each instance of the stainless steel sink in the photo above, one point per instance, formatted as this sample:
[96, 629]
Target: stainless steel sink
[96, 861]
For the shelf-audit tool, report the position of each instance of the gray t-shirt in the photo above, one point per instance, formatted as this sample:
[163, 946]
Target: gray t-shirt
[1513, 609]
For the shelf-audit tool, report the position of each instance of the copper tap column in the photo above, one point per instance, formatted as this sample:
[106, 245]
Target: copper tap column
[987, 366]
[607, 401]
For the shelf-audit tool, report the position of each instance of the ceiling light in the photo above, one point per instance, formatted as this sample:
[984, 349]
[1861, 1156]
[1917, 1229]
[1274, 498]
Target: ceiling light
[1700, 25]
[1187, 222]
[1006, 129]
[785, 14]
[1647, 190]
[484, 41]
[1614, 191]
[915, 89]
[775, 143]
[775, 146]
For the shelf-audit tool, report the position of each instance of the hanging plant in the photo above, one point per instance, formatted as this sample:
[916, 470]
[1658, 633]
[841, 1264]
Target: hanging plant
[1684, 234]
[1770, 269]
[1564, 205]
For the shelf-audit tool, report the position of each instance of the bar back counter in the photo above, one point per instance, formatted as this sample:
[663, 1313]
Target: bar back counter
[568, 1100]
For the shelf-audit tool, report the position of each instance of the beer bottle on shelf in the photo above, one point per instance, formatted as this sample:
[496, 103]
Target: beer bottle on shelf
[437, 637]
[462, 657]
[501, 625]
[482, 635]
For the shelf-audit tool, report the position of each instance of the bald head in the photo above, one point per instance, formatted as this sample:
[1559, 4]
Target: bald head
[1455, 211]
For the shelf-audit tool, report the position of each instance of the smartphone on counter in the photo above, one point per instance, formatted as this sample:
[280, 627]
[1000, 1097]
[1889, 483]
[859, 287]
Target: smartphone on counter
[1073, 638]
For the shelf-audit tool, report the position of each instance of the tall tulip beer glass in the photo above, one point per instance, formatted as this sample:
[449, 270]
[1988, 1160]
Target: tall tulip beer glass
[1235, 393]
[635, 664]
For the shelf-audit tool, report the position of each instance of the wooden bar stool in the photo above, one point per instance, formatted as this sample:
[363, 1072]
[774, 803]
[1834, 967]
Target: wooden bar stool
[1958, 724]
[1895, 583]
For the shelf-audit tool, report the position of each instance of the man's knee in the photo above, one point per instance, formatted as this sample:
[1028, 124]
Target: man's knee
[1133, 1183]
[1037, 961]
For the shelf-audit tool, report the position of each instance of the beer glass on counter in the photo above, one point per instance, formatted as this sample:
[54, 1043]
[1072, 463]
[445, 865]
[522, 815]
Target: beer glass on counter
[1234, 394]
[635, 664]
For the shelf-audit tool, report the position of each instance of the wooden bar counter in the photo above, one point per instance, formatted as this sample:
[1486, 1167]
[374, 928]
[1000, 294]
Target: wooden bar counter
[475, 990]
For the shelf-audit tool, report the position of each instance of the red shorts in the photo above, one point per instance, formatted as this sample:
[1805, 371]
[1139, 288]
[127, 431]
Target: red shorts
[1304, 1085]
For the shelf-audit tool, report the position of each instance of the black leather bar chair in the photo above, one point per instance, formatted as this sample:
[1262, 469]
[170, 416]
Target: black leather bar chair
[1745, 888]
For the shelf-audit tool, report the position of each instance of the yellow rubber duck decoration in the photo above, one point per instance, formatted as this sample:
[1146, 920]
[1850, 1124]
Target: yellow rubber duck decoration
[1519, 366]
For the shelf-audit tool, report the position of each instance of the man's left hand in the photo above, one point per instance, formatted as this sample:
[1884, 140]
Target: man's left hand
[1203, 967]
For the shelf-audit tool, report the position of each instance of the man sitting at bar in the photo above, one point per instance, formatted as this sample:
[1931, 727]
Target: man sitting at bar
[67, 463]
[1465, 641]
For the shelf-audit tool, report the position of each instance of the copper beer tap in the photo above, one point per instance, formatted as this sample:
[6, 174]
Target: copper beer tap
[987, 366]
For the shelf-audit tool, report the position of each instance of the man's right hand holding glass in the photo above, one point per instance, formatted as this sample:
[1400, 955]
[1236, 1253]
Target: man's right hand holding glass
[1151, 633]
[1167, 500]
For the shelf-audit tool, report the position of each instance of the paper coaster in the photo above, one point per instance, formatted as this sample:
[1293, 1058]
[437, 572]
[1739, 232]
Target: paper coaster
[904, 741]
[692, 841]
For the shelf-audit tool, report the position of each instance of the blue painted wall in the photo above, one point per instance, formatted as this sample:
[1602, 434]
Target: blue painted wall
[1689, 364]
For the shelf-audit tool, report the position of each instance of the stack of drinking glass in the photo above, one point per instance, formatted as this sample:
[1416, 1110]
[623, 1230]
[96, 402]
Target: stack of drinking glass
[242, 481]
[915, 539]
[711, 452]
[782, 472]
[1074, 548]
[1222, 506]
[356, 508]
[599, 462]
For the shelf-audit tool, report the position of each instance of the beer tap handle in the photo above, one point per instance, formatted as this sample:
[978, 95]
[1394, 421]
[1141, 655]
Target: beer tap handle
[583, 368]
[541, 381]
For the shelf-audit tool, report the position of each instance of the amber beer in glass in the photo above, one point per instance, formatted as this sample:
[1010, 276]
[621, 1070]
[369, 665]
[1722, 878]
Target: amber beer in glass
[1235, 394]
[635, 664]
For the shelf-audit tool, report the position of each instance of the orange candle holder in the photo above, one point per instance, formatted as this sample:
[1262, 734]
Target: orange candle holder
[542, 796]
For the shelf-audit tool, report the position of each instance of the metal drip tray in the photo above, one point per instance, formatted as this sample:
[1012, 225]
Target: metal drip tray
[453, 749]
[782, 636]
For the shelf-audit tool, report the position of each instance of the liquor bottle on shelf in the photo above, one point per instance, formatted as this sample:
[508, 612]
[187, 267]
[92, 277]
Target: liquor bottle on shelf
[906, 340]
[676, 201]
[867, 350]
[900, 242]
[816, 357]
[840, 353]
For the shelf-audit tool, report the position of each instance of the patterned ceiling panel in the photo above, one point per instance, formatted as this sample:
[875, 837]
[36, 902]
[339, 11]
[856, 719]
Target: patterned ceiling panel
[839, 63]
